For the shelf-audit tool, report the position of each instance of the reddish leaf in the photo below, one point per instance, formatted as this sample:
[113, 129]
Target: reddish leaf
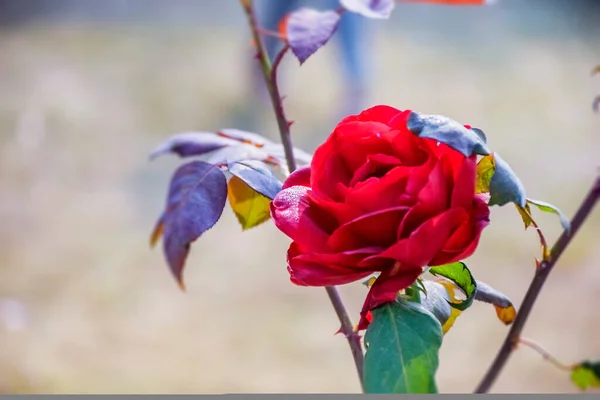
[306, 30]
[158, 230]
[378, 9]
[195, 202]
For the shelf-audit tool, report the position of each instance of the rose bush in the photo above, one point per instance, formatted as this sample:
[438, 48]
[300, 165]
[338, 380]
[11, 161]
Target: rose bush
[378, 198]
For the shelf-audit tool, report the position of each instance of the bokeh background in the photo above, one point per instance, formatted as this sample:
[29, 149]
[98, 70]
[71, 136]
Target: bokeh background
[89, 88]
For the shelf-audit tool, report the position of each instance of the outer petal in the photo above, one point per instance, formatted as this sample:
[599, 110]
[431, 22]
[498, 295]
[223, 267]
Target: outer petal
[312, 269]
[379, 113]
[385, 289]
[464, 240]
[425, 242]
[291, 212]
[300, 177]
[464, 184]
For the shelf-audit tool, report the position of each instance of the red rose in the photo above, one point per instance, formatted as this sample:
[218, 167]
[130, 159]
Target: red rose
[378, 198]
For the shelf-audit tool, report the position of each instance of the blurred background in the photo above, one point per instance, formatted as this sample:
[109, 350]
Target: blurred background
[89, 88]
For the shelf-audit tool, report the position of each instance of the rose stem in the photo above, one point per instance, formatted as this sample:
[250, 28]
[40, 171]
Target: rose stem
[539, 278]
[270, 77]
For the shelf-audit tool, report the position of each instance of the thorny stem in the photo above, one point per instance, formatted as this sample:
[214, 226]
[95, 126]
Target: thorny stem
[270, 77]
[541, 274]
[545, 354]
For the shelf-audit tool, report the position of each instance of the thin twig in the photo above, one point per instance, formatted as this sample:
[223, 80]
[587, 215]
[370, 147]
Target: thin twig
[270, 77]
[541, 274]
[269, 33]
[545, 354]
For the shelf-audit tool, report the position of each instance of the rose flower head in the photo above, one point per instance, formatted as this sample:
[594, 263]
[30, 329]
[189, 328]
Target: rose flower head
[377, 198]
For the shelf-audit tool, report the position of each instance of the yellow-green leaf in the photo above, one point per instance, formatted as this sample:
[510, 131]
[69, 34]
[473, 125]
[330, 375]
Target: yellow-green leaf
[549, 208]
[485, 171]
[459, 274]
[525, 213]
[586, 375]
[250, 207]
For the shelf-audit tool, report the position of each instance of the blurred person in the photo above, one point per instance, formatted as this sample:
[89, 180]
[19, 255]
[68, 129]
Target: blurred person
[350, 37]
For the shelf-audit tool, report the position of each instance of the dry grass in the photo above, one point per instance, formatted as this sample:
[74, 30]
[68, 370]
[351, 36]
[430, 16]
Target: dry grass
[86, 307]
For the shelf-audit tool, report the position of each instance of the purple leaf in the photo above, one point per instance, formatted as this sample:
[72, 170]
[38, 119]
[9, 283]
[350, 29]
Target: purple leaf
[258, 176]
[227, 146]
[244, 137]
[277, 151]
[307, 30]
[377, 9]
[195, 202]
[241, 152]
[192, 144]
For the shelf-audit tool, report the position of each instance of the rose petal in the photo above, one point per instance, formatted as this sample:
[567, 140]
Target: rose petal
[435, 195]
[377, 165]
[464, 184]
[319, 270]
[419, 176]
[300, 177]
[329, 166]
[372, 229]
[341, 212]
[461, 237]
[385, 290]
[447, 257]
[409, 148]
[379, 113]
[425, 242]
[381, 193]
[291, 213]
[453, 157]
[355, 140]
[464, 240]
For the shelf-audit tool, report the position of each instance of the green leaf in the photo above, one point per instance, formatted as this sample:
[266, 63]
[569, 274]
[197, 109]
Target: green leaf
[505, 186]
[485, 171]
[459, 274]
[403, 342]
[448, 131]
[586, 374]
[250, 207]
[505, 310]
[547, 207]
